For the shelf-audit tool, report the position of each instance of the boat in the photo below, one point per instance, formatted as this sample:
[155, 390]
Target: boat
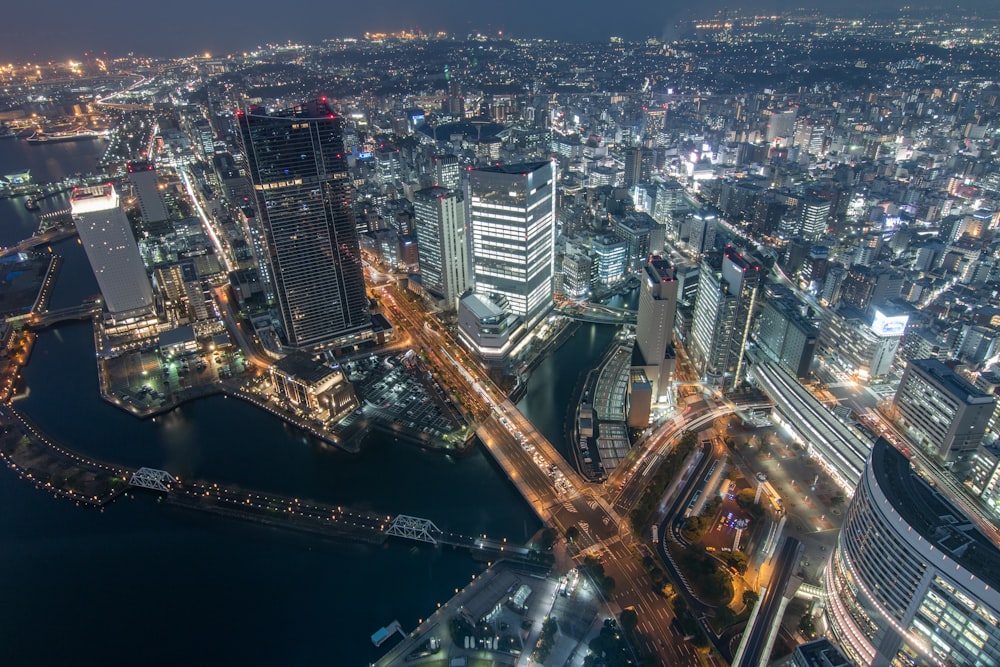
[78, 134]
[31, 204]
[6, 132]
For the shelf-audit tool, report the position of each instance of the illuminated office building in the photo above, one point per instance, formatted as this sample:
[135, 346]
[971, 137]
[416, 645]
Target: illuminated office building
[513, 224]
[912, 580]
[440, 225]
[311, 257]
[723, 312]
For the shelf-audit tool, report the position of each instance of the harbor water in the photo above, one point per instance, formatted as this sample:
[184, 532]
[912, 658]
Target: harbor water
[170, 586]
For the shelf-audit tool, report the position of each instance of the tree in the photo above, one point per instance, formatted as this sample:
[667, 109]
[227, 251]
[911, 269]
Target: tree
[572, 534]
[838, 499]
[546, 539]
[629, 619]
[737, 559]
[750, 598]
[806, 625]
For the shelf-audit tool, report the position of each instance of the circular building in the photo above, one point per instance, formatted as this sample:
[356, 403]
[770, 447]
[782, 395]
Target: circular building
[912, 581]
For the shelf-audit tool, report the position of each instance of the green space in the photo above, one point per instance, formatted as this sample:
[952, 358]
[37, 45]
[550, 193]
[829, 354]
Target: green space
[667, 473]
[711, 583]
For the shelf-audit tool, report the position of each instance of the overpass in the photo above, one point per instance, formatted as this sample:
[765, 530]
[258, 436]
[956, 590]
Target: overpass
[52, 236]
[838, 448]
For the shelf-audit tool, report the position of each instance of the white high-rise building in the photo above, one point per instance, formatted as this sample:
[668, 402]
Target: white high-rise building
[513, 222]
[440, 226]
[110, 245]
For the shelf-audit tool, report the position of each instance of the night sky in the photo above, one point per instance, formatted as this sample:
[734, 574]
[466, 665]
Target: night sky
[64, 28]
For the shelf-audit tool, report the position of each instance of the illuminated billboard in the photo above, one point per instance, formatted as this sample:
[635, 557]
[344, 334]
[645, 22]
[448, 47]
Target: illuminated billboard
[889, 325]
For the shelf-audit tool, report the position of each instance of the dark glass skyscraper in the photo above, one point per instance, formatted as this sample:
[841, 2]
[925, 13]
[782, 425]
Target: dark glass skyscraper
[308, 246]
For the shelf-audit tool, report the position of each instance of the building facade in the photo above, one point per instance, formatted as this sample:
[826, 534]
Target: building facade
[942, 412]
[723, 312]
[111, 249]
[444, 258]
[912, 581]
[513, 224]
[311, 256]
[655, 323]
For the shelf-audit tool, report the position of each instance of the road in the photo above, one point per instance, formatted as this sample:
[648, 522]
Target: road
[755, 642]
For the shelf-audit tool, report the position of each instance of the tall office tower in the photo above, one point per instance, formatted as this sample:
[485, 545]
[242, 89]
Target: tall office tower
[943, 413]
[669, 198]
[303, 206]
[813, 216]
[654, 332]
[107, 237]
[444, 259]
[723, 311]
[512, 217]
[142, 176]
[610, 260]
[633, 166]
[447, 172]
[912, 580]
[643, 235]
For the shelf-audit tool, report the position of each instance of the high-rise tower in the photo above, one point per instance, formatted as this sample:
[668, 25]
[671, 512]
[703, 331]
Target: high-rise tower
[440, 225]
[512, 217]
[110, 244]
[311, 256]
[727, 296]
[655, 322]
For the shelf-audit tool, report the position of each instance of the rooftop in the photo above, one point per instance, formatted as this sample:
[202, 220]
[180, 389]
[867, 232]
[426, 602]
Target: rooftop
[951, 381]
[928, 512]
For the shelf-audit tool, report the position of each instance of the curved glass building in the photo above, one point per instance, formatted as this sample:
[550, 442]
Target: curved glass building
[912, 580]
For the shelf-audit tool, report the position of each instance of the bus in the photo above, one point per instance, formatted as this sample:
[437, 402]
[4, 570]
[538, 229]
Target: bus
[656, 534]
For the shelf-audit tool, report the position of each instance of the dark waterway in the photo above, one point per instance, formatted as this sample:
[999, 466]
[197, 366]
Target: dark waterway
[158, 585]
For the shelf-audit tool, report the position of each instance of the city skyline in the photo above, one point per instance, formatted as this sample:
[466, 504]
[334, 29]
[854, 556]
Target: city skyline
[215, 30]
[657, 330]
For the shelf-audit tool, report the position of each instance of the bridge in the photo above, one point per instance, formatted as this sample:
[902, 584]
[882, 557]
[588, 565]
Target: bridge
[52, 236]
[153, 480]
[84, 311]
[840, 449]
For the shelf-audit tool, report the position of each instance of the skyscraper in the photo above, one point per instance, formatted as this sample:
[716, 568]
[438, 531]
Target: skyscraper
[655, 322]
[512, 218]
[727, 297]
[107, 237]
[444, 260]
[312, 259]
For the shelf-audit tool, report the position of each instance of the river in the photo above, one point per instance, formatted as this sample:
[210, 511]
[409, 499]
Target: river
[165, 585]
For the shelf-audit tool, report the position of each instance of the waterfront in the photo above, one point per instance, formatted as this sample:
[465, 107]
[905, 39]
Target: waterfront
[301, 599]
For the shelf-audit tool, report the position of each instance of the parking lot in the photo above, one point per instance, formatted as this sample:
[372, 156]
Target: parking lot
[397, 389]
